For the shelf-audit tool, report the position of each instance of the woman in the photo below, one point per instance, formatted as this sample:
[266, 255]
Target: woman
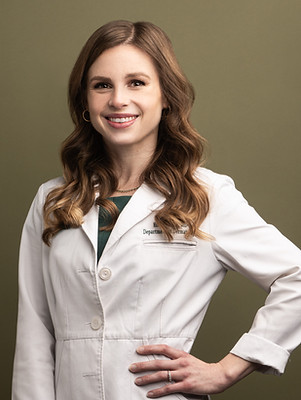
[120, 258]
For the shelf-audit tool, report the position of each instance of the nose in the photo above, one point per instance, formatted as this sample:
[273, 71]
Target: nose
[119, 98]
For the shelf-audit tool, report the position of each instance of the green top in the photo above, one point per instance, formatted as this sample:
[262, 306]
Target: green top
[104, 219]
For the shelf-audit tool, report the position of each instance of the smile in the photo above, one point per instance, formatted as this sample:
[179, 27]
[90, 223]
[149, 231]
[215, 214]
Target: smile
[119, 121]
[122, 119]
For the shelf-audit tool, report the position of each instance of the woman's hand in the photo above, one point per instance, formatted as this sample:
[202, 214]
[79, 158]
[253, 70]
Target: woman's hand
[187, 373]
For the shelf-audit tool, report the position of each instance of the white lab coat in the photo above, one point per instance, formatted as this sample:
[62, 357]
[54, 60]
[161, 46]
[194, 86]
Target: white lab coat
[80, 322]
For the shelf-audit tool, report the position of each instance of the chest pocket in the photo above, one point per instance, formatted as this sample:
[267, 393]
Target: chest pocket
[176, 244]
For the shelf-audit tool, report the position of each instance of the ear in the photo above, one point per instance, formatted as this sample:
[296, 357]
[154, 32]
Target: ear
[165, 104]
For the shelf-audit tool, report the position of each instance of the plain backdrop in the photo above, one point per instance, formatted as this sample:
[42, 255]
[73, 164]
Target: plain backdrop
[243, 58]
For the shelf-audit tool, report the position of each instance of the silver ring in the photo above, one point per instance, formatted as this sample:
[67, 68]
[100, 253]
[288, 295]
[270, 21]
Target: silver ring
[169, 378]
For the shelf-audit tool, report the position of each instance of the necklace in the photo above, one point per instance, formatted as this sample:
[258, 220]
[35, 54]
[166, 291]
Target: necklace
[127, 190]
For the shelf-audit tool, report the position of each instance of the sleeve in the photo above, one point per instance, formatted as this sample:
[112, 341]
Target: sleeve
[33, 374]
[245, 243]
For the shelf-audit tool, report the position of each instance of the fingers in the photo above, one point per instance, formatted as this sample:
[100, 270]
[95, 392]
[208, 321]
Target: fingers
[153, 365]
[162, 349]
[159, 376]
[177, 358]
[164, 390]
[158, 364]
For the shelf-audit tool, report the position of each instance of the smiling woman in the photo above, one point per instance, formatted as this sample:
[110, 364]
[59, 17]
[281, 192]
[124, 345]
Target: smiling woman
[120, 258]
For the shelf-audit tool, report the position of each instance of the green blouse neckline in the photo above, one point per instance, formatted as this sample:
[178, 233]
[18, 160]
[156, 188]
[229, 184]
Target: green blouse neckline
[104, 219]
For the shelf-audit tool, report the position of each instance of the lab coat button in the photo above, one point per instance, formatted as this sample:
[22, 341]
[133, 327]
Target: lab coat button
[96, 323]
[105, 274]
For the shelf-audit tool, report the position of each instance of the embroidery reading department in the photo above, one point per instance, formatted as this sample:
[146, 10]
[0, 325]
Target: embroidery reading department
[157, 231]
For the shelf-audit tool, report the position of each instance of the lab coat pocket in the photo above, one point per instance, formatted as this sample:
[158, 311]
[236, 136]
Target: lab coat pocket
[176, 244]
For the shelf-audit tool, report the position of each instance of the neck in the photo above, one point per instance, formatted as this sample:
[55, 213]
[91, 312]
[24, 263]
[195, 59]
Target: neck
[129, 168]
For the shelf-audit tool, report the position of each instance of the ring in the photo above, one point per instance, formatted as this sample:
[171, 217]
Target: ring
[169, 378]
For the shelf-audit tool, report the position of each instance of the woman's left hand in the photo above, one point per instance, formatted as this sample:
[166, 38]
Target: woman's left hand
[187, 373]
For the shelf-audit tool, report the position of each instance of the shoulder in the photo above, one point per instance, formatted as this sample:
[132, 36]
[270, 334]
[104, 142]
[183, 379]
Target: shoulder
[52, 184]
[46, 188]
[220, 188]
[212, 180]
[34, 219]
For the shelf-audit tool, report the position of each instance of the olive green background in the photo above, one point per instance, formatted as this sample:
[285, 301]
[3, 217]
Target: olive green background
[243, 58]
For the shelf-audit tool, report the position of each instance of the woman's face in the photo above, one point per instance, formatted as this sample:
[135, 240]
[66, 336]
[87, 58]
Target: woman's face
[124, 98]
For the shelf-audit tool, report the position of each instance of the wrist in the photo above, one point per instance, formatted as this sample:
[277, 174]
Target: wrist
[236, 368]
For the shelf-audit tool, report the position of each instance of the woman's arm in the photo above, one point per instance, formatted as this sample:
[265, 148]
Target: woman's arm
[33, 376]
[245, 243]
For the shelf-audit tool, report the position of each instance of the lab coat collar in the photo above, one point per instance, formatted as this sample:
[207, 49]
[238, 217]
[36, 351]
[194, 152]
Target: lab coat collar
[143, 202]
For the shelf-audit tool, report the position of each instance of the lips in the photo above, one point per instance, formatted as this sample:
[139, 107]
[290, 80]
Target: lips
[121, 120]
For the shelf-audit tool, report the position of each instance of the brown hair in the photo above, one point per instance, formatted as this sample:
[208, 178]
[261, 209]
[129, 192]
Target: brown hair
[87, 164]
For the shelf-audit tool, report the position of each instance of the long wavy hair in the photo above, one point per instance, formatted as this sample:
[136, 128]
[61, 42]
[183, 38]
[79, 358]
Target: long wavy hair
[88, 169]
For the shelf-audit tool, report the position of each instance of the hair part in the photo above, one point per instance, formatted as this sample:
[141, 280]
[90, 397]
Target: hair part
[88, 168]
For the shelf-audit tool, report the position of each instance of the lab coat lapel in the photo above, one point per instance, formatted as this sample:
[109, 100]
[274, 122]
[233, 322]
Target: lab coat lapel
[90, 226]
[142, 203]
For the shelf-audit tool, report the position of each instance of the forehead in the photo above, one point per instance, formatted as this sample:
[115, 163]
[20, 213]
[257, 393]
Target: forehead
[123, 59]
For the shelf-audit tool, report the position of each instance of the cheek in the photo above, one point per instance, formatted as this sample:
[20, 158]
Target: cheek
[95, 103]
[95, 108]
[153, 104]
[155, 110]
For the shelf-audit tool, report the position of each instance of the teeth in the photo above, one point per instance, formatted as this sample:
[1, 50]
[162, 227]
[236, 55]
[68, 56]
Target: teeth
[123, 119]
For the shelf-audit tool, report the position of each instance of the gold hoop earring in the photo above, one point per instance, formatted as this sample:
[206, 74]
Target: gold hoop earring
[84, 116]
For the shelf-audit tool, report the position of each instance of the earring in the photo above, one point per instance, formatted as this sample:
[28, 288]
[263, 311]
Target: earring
[84, 116]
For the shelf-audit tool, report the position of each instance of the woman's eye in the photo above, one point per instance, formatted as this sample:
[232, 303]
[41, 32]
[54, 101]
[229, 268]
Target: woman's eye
[102, 85]
[137, 82]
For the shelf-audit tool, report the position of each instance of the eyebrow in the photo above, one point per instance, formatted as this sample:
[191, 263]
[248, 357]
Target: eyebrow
[131, 75]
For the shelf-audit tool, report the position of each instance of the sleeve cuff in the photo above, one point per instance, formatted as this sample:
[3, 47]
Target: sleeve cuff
[272, 357]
